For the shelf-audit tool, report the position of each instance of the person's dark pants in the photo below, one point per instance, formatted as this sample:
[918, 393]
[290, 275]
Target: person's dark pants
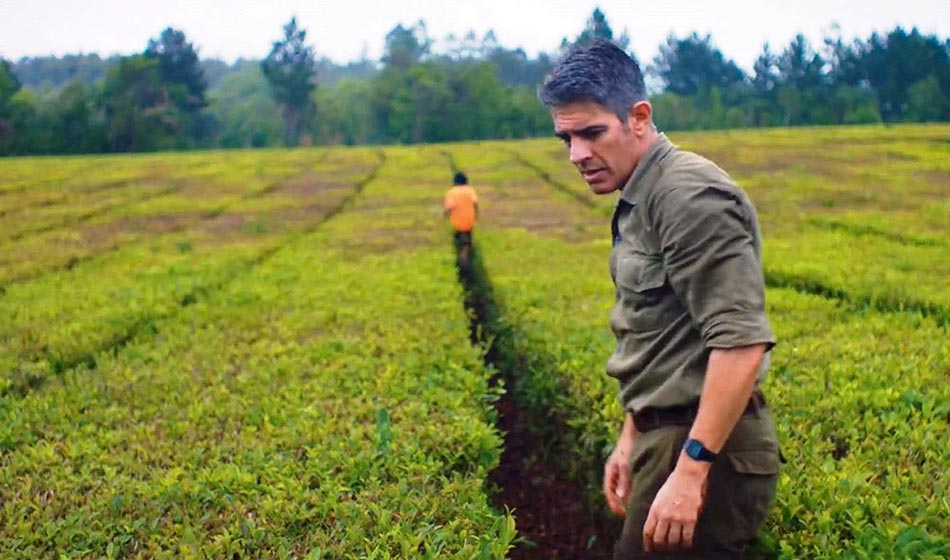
[463, 249]
[739, 493]
[463, 239]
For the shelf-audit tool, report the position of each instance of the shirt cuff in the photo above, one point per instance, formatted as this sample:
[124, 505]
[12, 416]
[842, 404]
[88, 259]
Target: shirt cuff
[737, 329]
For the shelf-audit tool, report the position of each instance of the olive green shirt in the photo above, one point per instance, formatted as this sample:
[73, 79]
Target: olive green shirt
[686, 263]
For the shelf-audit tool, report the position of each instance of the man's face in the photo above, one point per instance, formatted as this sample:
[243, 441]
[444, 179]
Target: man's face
[602, 147]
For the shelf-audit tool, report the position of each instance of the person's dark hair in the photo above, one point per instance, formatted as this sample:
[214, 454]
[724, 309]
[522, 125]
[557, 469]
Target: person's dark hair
[599, 72]
[460, 179]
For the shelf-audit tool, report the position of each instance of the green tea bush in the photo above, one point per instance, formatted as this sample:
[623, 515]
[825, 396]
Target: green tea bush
[858, 380]
[265, 354]
[66, 317]
[862, 213]
[324, 404]
[860, 397]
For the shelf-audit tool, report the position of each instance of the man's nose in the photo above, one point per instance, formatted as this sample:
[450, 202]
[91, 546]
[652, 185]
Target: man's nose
[580, 151]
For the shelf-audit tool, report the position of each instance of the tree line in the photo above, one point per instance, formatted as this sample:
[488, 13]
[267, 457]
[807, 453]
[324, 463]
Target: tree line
[473, 87]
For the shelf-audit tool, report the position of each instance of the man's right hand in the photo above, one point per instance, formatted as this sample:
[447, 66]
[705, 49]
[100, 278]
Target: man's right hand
[617, 477]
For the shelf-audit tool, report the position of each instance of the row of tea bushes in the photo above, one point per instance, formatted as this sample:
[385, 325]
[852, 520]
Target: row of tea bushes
[859, 213]
[861, 399]
[873, 271]
[66, 317]
[792, 173]
[55, 224]
[324, 404]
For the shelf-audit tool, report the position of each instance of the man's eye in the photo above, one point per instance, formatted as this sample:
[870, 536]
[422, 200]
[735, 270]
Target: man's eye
[566, 140]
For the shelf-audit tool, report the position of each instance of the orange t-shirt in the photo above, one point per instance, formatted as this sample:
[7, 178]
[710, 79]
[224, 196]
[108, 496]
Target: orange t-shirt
[460, 201]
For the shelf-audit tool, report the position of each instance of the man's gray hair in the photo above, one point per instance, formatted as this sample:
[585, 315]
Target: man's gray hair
[599, 72]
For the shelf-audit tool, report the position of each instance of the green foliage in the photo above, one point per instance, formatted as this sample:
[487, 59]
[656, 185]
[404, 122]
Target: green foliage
[406, 46]
[247, 114]
[50, 73]
[858, 380]
[926, 102]
[192, 240]
[10, 125]
[139, 117]
[597, 27]
[877, 233]
[473, 89]
[346, 113]
[179, 66]
[895, 62]
[73, 125]
[308, 393]
[290, 69]
[855, 105]
[184, 82]
[264, 353]
[438, 101]
[692, 65]
[9, 84]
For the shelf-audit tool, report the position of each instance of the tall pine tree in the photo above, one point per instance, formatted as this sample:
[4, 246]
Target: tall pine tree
[290, 69]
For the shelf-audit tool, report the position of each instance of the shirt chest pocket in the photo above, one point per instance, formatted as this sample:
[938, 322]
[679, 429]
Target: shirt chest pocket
[648, 301]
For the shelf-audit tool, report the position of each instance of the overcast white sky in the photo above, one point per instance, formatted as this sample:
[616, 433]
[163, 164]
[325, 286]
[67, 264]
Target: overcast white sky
[342, 30]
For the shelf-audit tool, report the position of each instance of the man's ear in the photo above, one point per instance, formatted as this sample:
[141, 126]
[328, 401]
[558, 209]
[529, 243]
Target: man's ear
[640, 117]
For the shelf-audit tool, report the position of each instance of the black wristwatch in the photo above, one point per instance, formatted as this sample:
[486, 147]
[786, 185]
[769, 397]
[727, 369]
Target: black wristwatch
[697, 451]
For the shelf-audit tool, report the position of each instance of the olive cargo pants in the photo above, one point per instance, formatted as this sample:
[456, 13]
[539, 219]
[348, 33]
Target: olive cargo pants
[739, 493]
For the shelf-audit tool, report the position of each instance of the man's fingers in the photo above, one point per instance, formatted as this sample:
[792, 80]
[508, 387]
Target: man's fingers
[661, 533]
[649, 528]
[610, 485]
[613, 502]
[675, 536]
[616, 487]
[610, 480]
[672, 519]
[623, 484]
[688, 530]
[617, 507]
[616, 504]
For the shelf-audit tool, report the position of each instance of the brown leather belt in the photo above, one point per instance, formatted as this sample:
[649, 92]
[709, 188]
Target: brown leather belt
[653, 418]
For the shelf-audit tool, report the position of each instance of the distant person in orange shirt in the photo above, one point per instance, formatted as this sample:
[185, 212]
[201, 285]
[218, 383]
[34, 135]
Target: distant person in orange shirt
[461, 208]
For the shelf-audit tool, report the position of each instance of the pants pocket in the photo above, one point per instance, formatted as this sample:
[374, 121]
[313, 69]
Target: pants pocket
[740, 493]
[755, 462]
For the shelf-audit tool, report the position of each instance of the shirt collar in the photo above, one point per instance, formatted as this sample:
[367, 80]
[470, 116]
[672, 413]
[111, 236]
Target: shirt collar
[660, 147]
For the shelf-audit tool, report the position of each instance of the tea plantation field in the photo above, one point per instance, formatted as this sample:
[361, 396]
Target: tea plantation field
[265, 354]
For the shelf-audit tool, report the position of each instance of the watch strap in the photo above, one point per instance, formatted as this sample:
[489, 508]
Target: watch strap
[696, 450]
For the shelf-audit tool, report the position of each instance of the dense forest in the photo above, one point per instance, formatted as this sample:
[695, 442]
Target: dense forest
[470, 87]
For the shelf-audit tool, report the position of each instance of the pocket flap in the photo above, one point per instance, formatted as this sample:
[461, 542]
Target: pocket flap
[641, 274]
[754, 462]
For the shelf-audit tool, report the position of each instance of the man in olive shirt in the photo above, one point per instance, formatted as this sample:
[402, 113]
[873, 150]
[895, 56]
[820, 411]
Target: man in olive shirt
[695, 467]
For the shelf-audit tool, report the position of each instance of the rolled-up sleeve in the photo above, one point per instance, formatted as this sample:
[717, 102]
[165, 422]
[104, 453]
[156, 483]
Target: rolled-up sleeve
[710, 251]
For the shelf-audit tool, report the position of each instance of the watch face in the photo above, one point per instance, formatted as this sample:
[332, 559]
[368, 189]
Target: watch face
[694, 449]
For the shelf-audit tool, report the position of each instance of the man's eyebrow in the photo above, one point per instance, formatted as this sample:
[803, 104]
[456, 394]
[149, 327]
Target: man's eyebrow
[586, 131]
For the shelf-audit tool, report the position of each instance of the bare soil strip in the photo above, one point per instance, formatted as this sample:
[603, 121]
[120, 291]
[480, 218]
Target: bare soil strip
[553, 516]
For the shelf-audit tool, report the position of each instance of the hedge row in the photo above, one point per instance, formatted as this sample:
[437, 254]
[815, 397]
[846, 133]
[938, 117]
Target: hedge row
[861, 398]
[854, 212]
[325, 403]
[56, 222]
[65, 317]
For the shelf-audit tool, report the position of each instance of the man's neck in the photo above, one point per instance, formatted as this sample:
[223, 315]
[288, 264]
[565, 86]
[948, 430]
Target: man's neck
[649, 137]
[643, 148]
